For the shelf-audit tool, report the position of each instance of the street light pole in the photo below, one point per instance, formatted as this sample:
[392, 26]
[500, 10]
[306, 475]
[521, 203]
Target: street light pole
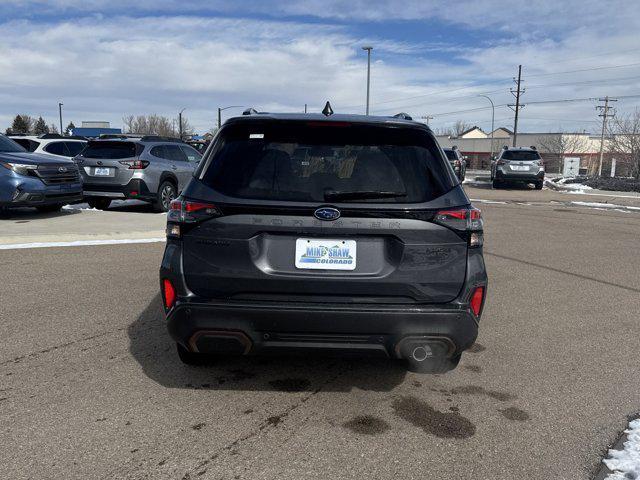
[60, 113]
[493, 116]
[368, 49]
[220, 113]
[180, 122]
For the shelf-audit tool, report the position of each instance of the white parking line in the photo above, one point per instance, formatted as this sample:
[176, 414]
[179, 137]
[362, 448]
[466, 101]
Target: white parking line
[80, 243]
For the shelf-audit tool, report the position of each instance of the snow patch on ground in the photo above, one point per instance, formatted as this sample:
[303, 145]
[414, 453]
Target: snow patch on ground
[479, 200]
[80, 243]
[625, 463]
[114, 203]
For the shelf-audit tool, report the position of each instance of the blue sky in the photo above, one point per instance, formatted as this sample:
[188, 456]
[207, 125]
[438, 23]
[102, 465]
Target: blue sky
[108, 58]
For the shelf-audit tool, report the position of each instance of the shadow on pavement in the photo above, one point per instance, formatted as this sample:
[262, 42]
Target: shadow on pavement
[26, 214]
[155, 351]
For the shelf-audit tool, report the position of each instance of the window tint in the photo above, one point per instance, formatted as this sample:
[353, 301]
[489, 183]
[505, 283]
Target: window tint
[521, 155]
[310, 161]
[451, 154]
[55, 148]
[174, 153]
[191, 153]
[28, 144]
[158, 151]
[106, 149]
[8, 145]
[74, 148]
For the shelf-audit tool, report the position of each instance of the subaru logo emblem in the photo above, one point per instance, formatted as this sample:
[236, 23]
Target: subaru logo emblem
[62, 169]
[327, 213]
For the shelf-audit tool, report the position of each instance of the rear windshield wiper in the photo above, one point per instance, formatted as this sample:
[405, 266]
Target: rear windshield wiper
[358, 195]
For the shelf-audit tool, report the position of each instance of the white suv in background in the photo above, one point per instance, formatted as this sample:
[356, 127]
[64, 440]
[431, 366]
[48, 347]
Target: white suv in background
[51, 144]
[518, 164]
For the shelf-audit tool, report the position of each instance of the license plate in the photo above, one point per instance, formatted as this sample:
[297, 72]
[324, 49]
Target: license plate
[101, 172]
[519, 168]
[325, 254]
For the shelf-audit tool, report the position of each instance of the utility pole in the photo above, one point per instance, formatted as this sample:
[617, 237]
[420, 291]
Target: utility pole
[180, 123]
[219, 117]
[516, 108]
[427, 118]
[368, 49]
[605, 114]
[305, 108]
[60, 112]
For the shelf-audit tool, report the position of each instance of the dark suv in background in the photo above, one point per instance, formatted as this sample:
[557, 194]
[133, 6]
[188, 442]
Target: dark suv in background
[458, 162]
[339, 234]
[150, 168]
[32, 180]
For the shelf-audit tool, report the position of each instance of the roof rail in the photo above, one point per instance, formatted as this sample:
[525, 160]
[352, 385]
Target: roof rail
[160, 138]
[533, 147]
[50, 135]
[403, 116]
[250, 111]
[119, 135]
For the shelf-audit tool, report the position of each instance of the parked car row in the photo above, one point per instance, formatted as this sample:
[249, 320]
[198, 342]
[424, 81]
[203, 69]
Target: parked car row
[50, 171]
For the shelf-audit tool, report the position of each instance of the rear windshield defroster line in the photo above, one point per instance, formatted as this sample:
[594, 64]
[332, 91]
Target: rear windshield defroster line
[299, 162]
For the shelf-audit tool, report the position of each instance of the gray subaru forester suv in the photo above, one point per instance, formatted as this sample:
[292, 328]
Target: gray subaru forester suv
[150, 168]
[312, 233]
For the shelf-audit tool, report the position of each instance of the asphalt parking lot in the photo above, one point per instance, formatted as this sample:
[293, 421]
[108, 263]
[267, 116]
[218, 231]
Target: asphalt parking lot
[91, 386]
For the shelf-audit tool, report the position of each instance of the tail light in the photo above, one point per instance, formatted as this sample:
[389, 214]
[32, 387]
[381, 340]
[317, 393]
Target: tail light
[477, 299]
[463, 220]
[168, 294]
[457, 163]
[183, 213]
[134, 164]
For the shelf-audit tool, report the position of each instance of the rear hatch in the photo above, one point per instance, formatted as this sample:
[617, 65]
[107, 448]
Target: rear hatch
[521, 162]
[324, 212]
[107, 162]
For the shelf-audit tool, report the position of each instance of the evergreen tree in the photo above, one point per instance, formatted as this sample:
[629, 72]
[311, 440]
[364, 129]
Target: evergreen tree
[40, 127]
[20, 125]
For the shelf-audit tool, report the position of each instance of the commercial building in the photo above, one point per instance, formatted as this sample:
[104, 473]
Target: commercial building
[479, 147]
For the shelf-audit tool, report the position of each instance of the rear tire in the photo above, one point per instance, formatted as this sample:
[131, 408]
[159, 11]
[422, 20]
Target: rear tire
[434, 365]
[539, 185]
[50, 208]
[167, 192]
[497, 183]
[99, 203]
[194, 359]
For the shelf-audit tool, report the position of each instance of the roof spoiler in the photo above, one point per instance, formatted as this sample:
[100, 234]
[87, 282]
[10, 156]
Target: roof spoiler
[403, 116]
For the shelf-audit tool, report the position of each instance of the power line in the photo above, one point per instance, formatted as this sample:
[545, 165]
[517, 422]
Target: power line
[585, 70]
[501, 81]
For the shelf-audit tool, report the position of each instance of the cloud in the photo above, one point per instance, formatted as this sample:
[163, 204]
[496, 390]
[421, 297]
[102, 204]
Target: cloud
[279, 56]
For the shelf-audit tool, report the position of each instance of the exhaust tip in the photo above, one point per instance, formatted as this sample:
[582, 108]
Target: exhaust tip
[422, 348]
[421, 353]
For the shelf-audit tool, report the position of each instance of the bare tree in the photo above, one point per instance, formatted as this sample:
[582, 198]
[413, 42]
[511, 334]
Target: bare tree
[562, 144]
[460, 127]
[625, 140]
[156, 125]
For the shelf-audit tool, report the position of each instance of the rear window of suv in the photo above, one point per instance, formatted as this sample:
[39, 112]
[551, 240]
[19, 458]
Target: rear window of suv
[318, 162]
[113, 150]
[451, 154]
[520, 155]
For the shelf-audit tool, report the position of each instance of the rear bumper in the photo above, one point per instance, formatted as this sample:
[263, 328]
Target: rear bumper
[524, 177]
[136, 188]
[251, 328]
